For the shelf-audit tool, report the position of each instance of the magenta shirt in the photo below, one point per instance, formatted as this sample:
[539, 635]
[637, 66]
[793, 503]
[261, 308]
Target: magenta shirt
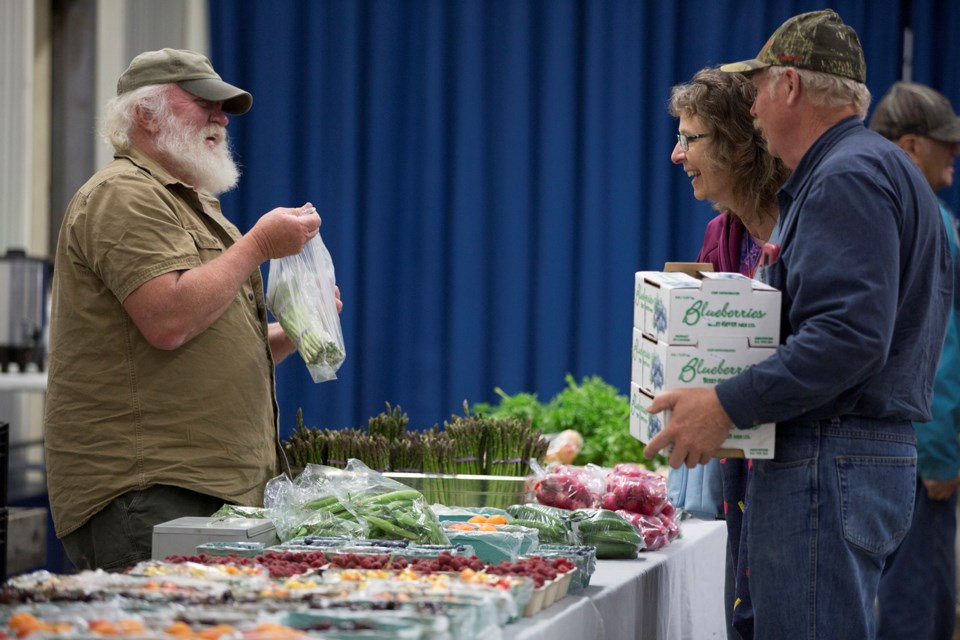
[728, 246]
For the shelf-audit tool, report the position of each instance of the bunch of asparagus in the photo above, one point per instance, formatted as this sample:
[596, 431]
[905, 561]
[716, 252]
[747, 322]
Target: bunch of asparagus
[315, 343]
[467, 445]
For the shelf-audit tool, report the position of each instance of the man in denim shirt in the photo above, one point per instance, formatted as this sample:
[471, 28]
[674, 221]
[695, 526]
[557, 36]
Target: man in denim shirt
[864, 271]
[918, 591]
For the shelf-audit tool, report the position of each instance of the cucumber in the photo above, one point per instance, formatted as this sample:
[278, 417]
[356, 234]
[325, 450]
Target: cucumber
[600, 526]
[616, 551]
[617, 535]
[590, 520]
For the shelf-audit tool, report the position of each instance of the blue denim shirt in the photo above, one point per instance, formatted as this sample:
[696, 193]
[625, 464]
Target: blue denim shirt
[865, 277]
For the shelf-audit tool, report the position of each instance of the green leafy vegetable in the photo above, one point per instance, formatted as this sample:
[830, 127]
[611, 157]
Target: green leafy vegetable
[593, 408]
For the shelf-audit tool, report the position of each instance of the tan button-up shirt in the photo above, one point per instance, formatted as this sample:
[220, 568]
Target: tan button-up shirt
[120, 414]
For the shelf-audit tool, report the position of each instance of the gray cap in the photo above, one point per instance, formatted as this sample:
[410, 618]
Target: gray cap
[188, 69]
[911, 108]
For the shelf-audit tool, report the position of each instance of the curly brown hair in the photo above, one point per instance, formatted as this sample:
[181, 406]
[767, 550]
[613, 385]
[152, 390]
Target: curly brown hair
[722, 101]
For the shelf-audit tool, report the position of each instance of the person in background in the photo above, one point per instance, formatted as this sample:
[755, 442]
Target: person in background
[161, 391]
[918, 589]
[865, 275]
[726, 159]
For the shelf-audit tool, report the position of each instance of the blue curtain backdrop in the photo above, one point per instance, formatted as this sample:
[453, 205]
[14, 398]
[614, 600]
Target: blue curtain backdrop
[491, 173]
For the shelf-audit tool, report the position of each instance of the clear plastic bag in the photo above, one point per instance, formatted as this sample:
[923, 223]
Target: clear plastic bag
[388, 509]
[307, 506]
[300, 294]
[355, 502]
[567, 486]
[633, 488]
[614, 536]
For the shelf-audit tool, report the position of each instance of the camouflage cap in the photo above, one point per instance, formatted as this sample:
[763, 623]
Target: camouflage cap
[188, 69]
[818, 41]
[910, 108]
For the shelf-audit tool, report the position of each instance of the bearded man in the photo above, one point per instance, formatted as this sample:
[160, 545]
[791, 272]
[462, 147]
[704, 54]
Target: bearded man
[161, 395]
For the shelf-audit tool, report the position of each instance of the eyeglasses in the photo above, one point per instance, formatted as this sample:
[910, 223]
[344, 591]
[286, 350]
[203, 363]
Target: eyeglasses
[685, 140]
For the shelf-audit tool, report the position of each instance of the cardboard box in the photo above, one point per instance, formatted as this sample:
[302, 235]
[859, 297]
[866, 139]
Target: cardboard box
[680, 309]
[642, 355]
[183, 535]
[26, 539]
[642, 302]
[645, 295]
[658, 366]
[755, 442]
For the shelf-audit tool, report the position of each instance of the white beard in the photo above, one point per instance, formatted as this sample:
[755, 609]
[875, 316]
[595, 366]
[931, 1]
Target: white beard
[211, 170]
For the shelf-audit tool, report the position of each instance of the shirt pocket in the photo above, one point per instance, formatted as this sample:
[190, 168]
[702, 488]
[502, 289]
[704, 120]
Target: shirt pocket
[208, 246]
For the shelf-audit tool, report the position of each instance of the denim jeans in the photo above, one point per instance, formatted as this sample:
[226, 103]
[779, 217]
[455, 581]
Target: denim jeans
[823, 516]
[918, 589]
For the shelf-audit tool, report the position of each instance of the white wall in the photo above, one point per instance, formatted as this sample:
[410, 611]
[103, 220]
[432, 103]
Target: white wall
[123, 29]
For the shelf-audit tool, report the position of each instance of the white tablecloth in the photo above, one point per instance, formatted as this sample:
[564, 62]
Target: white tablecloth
[672, 594]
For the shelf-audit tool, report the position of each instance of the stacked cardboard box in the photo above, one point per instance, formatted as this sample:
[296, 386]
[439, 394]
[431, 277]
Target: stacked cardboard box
[696, 329]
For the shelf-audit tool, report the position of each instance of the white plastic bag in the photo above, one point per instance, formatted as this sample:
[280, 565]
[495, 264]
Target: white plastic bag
[300, 294]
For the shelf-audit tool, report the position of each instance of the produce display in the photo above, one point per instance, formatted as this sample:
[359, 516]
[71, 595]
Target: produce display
[363, 556]
[286, 595]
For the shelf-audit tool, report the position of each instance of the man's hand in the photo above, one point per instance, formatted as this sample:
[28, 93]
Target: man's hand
[940, 489]
[284, 231]
[697, 428]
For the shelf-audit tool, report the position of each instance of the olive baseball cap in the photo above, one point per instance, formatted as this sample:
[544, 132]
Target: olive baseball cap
[818, 41]
[188, 69]
[912, 108]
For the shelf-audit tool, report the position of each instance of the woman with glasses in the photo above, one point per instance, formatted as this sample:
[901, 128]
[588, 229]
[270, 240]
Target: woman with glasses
[727, 162]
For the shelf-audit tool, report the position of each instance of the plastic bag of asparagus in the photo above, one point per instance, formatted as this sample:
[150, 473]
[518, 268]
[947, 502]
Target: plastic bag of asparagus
[300, 294]
[354, 502]
[306, 506]
[388, 509]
